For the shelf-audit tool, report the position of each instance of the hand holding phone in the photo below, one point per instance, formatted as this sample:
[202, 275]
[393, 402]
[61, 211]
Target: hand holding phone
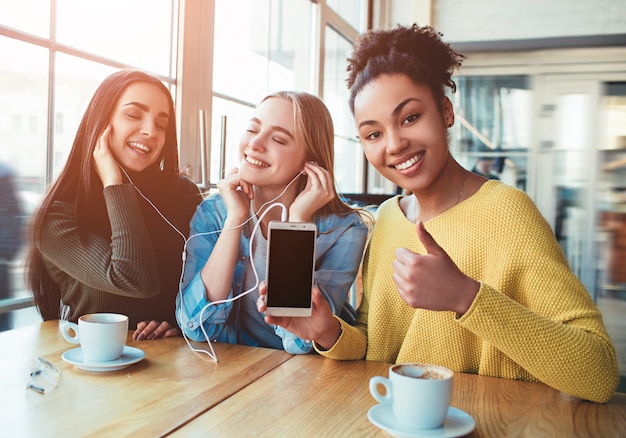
[290, 268]
[321, 327]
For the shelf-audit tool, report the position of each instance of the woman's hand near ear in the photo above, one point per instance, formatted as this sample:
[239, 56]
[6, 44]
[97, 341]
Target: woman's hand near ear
[107, 168]
[319, 191]
[237, 195]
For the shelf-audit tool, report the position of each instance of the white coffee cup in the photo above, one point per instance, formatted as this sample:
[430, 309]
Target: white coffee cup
[102, 336]
[419, 394]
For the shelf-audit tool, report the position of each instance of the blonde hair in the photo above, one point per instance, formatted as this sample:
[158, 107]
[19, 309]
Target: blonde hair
[315, 132]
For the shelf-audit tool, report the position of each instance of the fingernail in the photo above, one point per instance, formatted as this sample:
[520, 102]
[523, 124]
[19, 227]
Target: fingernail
[151, 336]
[141, 337]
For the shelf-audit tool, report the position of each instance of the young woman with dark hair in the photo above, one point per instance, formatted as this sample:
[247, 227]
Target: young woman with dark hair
[109, 234]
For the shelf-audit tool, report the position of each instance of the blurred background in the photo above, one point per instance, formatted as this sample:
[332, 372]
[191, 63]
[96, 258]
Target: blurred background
[541, 102]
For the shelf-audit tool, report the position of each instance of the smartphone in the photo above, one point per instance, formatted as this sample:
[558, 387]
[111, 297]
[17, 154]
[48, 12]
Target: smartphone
[290, 268]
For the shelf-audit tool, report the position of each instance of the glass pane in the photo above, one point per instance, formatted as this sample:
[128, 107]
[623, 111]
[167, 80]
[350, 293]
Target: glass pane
[510, 168]
[573, 125]
[493, 125]
[236, 120]
[353, 11]
[492, 113]
[23, 132]
[133, 32]
[23, 107]
[611, 199]
[76, 80]
[348, 153]
[289, 45]
[26, 125]
[572, 181]
[240, 52]
[261, 47]
[32, 16]
[348, 165]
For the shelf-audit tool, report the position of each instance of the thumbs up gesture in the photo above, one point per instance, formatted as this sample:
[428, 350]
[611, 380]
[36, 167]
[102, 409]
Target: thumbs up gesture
[432, 281]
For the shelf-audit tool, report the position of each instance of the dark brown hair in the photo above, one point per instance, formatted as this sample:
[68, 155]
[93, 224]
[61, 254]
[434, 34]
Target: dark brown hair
[78, 183]
[417, 52]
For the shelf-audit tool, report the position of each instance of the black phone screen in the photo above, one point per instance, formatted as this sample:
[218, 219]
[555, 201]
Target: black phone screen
[290, 268]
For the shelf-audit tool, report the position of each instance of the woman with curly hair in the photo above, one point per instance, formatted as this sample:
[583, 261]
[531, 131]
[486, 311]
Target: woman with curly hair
[463, 271]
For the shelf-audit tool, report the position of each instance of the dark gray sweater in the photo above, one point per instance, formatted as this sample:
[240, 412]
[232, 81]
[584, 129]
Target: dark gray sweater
[135, 272]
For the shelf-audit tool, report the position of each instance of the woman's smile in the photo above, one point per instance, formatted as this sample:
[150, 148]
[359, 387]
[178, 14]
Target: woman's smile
[411, 162]
[255, 162]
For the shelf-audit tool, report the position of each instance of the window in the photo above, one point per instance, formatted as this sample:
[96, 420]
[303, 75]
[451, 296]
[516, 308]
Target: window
[256, 52]
[349, 157]
[142, 33]
[273, 45]
[341, 23]
[30, 16]
[492, 125]
[49, 73]
[58, 123]
[611, 197]
[225, 54]
[354, 12]
[24, 92]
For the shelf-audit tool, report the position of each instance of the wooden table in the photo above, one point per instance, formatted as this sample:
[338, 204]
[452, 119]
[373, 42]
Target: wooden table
[256, 392]
[151, 398]
[311, 396]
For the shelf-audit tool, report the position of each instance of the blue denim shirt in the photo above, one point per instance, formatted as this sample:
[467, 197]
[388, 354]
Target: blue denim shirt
[339, 249]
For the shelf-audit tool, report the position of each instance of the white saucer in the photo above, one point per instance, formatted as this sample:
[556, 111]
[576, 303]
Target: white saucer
[130, 355]
[457, 423]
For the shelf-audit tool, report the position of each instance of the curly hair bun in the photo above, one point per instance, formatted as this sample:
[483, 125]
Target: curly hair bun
[418, 52]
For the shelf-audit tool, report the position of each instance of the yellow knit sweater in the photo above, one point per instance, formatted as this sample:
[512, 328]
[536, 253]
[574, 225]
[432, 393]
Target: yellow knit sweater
[531, 320]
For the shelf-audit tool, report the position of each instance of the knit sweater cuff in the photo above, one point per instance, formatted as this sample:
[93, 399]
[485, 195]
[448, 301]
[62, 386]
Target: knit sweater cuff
[475, 303]
[351, 345]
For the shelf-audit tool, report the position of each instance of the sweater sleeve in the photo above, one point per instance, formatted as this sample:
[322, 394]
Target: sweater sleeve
[574, 356]
[123, 264]
[351, 345]
[533, 309]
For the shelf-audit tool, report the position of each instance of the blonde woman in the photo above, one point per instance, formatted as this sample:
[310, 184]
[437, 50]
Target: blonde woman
[286, 156]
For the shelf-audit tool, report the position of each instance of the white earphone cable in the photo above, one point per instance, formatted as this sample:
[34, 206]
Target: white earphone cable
[212, 354]
[284, 217]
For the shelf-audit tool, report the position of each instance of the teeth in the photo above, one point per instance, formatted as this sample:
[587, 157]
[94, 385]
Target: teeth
[256, 162]
[139, 146]
[408, 163]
